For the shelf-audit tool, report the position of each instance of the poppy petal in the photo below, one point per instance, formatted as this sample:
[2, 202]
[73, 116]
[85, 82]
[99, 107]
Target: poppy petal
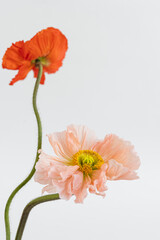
[116, 171]
[53, 67]
[35, 70]
[22, 73]
[57, 53]
[13, 57]
[113, 147]
[47, 46]
[42, 78]
[60, 46]
[43, 43]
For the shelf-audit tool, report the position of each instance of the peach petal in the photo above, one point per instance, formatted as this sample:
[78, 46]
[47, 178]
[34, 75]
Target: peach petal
[77, 181]
[113, 147]
[84, 138]
[69, 171]
[75, 138]
[99, 178]
[116, 171]
[65, 189]
[55, 172]
[50, 189]
[58, 143]
[43, 167]
[81, 193]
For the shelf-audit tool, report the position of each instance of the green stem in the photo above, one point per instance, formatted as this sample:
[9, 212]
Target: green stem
[27, 210]
[7, 208]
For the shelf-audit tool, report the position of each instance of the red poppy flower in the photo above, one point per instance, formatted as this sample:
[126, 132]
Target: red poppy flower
[47, 46]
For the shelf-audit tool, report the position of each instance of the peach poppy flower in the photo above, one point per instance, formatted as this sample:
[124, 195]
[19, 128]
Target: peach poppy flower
[83, 163]
[47, 46]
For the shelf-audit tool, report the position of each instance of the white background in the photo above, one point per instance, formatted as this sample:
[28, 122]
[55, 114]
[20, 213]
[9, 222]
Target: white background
[110, 81]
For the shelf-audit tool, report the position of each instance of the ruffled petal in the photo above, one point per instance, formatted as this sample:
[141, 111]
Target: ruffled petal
[43, 168]
[58, 143]
[44, 44]
[113, 147]
[77, 181]
[65, 144]
[58, 51]
[65, 189]
[81, 136]
[82, 191]
[22, 73]
[62, 178]
[59, 47]
[116, 171]
[67, 172]
[50, 188]
[13, 57]
[98, 184]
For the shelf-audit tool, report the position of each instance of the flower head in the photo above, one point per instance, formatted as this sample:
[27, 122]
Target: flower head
[47, 47]
[84, 163]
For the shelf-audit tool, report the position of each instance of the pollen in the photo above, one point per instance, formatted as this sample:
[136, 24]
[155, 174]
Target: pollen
[88, 161]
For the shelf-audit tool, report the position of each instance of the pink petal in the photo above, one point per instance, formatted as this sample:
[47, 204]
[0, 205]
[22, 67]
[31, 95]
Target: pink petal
[69, 171]
[77, 181]
[65, 189]
[58, 143]
[43, 167]
[50, 189]
[113, 147]
[116, 171]
[80, 136]
[98, 184]
[65, 144]
[81, 193]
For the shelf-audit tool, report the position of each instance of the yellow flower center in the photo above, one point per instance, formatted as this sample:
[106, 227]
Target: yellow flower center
[87, 160]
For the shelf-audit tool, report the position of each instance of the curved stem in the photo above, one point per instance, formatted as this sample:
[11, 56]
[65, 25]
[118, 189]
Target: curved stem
[27, 210]
[6, 214]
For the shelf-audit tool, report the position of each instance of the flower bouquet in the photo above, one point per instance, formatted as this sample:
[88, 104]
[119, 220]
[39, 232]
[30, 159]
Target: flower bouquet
[81, 163]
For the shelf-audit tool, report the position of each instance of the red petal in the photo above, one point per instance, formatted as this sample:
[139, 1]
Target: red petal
[13, 57]
[35, 70]
[22, 73]
[49, 43]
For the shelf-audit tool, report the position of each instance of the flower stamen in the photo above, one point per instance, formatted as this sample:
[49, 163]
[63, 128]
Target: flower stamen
[87, 160]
